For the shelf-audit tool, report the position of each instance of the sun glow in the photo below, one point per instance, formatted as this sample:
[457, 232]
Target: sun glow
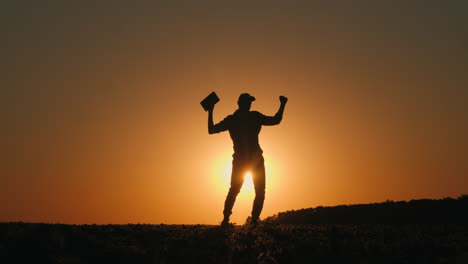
[222, 176]
[248, 182]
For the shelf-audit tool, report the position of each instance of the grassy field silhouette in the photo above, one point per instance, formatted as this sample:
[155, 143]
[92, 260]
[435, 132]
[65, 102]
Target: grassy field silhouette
[272, 241]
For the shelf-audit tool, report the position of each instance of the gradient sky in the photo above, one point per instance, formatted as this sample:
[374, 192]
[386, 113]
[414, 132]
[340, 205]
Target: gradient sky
[101, 121]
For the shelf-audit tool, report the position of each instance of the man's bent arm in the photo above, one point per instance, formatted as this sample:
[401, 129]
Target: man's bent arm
[276, 119]
[220, 127]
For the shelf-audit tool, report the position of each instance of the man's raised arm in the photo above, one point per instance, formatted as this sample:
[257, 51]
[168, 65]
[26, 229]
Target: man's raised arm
[220, 127]
[210, 121]
[276, 119]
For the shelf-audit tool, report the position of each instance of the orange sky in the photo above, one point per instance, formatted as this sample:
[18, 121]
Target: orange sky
[101, 120]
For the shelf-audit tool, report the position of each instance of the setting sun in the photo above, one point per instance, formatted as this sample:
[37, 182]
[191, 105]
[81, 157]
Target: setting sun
[248, 182]
[225, 176]
[222, 176]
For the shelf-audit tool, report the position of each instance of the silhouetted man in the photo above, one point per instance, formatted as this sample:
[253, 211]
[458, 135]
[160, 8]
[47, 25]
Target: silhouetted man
[244, 126]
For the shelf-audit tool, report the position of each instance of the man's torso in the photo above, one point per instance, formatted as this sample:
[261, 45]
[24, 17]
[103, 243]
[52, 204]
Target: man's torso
[244, 128]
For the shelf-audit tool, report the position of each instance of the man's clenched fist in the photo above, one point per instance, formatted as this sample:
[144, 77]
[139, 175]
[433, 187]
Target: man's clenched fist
[283, 99]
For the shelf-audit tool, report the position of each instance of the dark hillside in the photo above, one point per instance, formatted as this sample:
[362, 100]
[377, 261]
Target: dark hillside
[427, 211]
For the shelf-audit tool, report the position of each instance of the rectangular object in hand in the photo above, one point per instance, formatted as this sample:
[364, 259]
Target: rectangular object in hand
[209, 101]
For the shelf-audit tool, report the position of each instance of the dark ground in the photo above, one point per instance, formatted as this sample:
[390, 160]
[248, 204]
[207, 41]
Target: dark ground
[267, 243]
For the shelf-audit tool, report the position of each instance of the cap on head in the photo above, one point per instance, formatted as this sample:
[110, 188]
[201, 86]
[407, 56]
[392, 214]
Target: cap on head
[245, 98]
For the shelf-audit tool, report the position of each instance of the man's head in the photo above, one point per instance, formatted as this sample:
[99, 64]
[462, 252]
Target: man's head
[245, 101]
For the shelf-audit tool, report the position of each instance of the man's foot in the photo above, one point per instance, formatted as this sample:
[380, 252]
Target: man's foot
[254, 222]
[251, 221]
[225, 223]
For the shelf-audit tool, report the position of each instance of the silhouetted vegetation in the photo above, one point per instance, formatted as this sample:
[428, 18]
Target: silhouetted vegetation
[267, 243]
[288, 237]
[446, 210]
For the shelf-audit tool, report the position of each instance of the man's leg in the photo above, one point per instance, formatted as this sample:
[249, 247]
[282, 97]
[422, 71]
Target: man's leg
[237, 179]
[259, 184]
